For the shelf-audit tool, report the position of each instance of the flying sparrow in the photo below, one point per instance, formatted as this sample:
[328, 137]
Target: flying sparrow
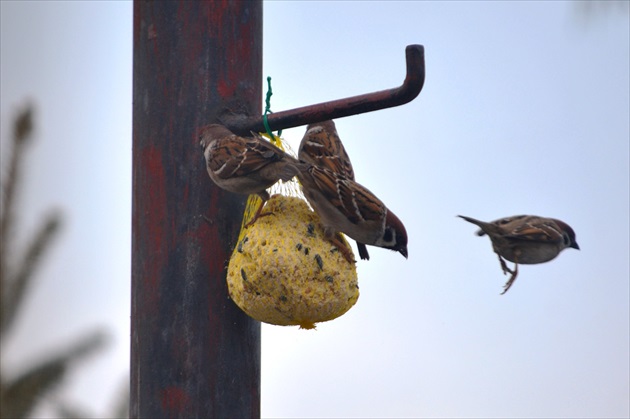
[321, 146]
[244, 165]
[526, 239]
[346, 206]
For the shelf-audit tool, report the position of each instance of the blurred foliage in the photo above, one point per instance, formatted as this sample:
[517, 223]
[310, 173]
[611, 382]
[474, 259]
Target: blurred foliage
[22, 394]
[590, 10]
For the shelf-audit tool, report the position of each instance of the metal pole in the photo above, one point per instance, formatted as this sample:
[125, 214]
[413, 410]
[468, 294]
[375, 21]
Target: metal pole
[193, 352]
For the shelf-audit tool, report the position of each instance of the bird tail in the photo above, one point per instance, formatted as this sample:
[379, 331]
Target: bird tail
[363, 252]
[481, 224]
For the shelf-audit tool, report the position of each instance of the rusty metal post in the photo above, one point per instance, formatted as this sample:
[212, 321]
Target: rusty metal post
[193, 352]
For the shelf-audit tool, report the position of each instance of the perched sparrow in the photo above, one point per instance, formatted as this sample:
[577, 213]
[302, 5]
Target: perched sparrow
[526, 239]
[244, 165]
[345, 206]
[321, 146]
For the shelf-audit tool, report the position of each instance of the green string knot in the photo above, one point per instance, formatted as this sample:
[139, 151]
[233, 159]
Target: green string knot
[268, 109]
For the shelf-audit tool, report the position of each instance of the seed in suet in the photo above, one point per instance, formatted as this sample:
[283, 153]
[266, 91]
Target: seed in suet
[319, 261]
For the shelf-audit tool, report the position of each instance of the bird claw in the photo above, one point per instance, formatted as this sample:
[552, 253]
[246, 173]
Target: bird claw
[505, 267]
[344, 249]
[347, 253]
[510, 281]
[514, 274]
[256, 217]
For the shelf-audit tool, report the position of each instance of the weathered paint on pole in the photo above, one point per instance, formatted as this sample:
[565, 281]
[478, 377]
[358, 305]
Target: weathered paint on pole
[194, 353]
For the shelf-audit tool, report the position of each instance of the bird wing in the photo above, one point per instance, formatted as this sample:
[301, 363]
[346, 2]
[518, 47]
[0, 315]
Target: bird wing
[537, 231]
[238, 156]
[324, 148]
[354, 201]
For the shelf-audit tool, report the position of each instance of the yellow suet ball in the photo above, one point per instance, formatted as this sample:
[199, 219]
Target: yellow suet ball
[284, 272]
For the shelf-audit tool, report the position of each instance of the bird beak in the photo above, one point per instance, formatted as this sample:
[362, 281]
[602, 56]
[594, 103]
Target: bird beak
[403, 251]
[575, 246]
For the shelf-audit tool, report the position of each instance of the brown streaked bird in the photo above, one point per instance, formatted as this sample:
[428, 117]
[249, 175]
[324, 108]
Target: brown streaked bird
[244, 165]
[526, 239]
[321, 146]
[345, 206]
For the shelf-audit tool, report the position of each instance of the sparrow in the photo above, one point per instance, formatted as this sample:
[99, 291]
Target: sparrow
[525, 239]
[244, 165]
[321, 146]
[345, 206]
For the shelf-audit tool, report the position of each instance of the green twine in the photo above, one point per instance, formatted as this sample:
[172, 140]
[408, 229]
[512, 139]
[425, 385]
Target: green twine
[268, 108]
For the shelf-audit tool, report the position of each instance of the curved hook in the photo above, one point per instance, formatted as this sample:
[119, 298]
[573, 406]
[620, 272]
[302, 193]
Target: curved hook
[340, 108]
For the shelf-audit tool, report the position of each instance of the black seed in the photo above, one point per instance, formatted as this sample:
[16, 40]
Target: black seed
[311, 229]
[274, 250]
[243, 274]
[283, 298]
[329, 278]
[298, 246]
[306, 250]
[319, 261]
[240, 247]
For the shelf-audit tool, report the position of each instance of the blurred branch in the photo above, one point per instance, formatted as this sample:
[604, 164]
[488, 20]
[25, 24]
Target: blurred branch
[19, 396]
[589, 9]
[22, 130]
[14, 286]
[121, 406]
[69, 411]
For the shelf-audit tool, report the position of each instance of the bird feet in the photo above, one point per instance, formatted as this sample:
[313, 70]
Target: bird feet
[514, 274]
[505, 267]
[258, 214]
[343, 247]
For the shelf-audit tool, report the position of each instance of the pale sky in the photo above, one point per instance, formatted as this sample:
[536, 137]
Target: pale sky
[525, 109]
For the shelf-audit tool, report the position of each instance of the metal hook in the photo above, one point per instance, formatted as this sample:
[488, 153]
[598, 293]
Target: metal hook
[340, 108]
